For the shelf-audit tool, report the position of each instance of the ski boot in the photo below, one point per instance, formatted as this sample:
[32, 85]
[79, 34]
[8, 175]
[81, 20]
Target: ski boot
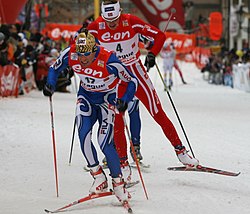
[184, 157]
[126, 171]
[100, 183]
[119, 189]
[137, 152]
[170, 84]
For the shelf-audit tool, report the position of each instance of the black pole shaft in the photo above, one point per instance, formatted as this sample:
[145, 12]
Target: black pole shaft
[72, 142]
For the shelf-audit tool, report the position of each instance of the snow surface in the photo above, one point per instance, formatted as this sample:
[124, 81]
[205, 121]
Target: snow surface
[216, 120]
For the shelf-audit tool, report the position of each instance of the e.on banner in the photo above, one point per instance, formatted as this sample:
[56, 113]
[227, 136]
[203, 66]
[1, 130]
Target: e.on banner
[9, 76]
[59, 31]
[183, 43]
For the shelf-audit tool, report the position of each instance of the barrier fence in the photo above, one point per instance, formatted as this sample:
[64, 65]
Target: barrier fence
[11, 83]
[9, 80]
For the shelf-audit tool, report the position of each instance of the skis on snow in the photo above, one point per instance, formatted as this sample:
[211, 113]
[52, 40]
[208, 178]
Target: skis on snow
[144, 167]
[141, 164]
[131, 184]
[200, 168]
[125, 204]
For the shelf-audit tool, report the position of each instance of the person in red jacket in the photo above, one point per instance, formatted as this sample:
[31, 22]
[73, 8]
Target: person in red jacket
[120, 33]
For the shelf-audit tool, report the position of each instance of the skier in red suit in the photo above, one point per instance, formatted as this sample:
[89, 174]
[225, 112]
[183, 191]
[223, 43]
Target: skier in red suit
[120, 33]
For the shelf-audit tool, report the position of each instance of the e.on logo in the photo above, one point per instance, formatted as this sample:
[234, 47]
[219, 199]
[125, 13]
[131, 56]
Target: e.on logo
[57, 33]
[116, 36]
[89, 71]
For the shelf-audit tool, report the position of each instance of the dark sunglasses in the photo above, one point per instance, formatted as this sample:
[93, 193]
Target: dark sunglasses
[84, 54]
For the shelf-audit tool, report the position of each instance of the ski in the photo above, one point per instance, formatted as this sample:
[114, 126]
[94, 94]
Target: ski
[87, 198]
[200, 168]
[144, 168]
[104, 166]
[131, 184]
[141, 164]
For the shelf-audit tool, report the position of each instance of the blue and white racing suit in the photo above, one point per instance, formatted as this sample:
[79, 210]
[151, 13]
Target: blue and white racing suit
[96, 100]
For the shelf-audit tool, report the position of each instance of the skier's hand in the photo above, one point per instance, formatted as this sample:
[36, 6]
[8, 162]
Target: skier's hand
[48, 90]
[150, 60]
[121, 105]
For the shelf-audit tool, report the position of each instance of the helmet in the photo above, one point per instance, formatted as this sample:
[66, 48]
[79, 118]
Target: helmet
[111, 10]
[54, 52]
[85, 42]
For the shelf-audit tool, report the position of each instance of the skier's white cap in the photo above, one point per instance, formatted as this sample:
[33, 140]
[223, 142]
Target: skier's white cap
[110, 11]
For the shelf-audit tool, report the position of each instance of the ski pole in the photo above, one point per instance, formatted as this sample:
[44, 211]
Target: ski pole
[176, 113]
[73, 137]
[72, 141]
[54, 144]
[134, 155]
[172, 11]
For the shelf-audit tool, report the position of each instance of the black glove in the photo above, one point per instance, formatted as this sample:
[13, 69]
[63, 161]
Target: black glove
[48, 90]
[150, 60]
[121, 105]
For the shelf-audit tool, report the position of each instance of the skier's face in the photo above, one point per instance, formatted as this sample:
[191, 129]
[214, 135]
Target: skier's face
[113, 24]
[86, 59]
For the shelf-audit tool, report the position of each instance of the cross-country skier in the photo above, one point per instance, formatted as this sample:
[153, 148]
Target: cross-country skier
[168, 55]
[120, 33]
[99, 71]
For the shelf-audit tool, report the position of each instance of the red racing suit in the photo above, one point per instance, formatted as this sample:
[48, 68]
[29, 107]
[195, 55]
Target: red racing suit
[124, 40]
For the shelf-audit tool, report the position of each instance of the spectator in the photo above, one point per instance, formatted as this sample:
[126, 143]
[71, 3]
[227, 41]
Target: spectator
[228, 75]
[3, 50]
[215, 76]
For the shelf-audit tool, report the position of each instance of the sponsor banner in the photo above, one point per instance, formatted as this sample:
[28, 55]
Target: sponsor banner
[157, 12]
[59, 31]
[234, 24]
[183, 43]
[9, 76]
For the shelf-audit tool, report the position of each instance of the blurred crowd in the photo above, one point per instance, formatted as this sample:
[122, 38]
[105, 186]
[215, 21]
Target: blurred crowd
[30, 49]
[219, 68]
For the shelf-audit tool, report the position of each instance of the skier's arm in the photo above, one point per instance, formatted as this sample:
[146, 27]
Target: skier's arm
[59, 65]
[115, 67]
[149, 31]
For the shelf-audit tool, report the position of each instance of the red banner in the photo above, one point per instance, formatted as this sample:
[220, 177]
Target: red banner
[59, 31]
[9, 10]
[157, 12]
[9, 76]
[184, 43]
[215, 26]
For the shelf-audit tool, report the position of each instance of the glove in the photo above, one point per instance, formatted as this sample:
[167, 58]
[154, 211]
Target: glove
[121, 105]
[48, 90]
[150, 60]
